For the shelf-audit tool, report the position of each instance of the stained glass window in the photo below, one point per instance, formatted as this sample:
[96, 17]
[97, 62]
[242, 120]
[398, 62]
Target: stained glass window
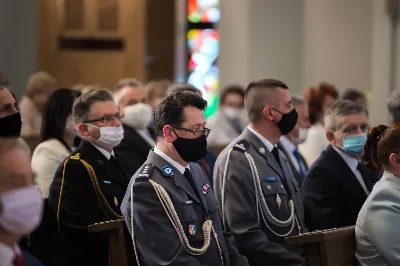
[203, 50]
[203, 11]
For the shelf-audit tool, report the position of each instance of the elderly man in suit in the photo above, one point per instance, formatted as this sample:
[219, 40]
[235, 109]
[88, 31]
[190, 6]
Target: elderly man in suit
[170, 207]
[138, 140]
[288, 143]
[337, 184]
[89, 186]
[21, 204]
[259, 198]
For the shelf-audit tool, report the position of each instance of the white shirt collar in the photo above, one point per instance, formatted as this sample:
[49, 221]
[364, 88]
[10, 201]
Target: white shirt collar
[7, 255]
[287, 144]
[351, 161]
[168, 159]
[266, 142]
[104, 152]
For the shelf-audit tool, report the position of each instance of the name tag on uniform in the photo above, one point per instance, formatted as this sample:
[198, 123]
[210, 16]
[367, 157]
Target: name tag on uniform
[106, 182]
[272, 178]
[188, 201]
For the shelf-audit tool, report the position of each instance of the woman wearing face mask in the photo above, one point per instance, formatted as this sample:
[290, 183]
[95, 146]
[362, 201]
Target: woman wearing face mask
[377, 231]
[57, 137]
[137, 140]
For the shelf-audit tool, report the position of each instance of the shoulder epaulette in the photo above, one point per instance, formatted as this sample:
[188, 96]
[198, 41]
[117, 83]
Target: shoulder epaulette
[144, 173]
[242, 145]
[76, 156]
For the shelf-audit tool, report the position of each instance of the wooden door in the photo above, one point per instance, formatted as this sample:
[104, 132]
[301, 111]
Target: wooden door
[91, 41]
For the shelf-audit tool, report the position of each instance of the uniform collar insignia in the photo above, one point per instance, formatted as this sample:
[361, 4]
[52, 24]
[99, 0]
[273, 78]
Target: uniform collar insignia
[168, 170]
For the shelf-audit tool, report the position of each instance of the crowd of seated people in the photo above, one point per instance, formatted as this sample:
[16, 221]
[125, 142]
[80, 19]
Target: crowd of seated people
[192, 190]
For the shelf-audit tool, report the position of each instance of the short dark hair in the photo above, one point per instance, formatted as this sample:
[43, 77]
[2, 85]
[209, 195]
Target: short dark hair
[57, 109]
[182, 86]
[170, 110]
[255, 101]
[234, 89]
[83, 104]
[352, 94]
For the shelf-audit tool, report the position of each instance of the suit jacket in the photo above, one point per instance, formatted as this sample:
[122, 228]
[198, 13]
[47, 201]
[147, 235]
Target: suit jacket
[133, 148]
[239, 207]
[74, 201]
[296, 173]
[156, 240]
[30, 260]
[377, 231]
[46, 158]
[332, 194]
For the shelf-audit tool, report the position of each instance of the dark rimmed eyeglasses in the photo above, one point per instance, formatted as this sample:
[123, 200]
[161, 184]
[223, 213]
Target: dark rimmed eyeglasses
[106, 119]
[196, 132]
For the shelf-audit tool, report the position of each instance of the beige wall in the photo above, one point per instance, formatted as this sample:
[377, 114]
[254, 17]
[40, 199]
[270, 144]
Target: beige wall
[302, 42]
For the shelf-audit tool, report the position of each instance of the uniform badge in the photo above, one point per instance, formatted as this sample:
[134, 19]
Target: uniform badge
[269, 187]
[192, 229]
[168, 170]
[115, 202]
[205, 188]
[278, 200]
[261, 149]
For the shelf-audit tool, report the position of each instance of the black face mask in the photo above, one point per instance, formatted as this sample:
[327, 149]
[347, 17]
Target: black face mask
[191, 150]
[288, 121]
[10, 126]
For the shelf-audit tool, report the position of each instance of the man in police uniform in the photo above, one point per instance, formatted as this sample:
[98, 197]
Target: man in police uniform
[170, 207]
[89, 185]
[259, 198]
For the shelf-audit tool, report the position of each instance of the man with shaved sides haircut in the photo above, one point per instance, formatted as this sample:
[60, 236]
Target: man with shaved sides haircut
[259, 198]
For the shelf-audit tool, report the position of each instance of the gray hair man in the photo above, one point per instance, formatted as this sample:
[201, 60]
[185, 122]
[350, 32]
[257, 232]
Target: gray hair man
[89, 185]
[21, 203]
[337, 184]
[393, 105]
[138, 139]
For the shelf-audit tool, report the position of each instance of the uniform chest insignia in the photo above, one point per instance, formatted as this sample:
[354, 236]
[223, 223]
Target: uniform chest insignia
[116, 201]
[261, 149]
[269, 187]
[205, 188]
[278, 200]
[192, 229]
[168, 170]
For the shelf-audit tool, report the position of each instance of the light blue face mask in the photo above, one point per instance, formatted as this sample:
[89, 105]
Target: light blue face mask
[354, 145]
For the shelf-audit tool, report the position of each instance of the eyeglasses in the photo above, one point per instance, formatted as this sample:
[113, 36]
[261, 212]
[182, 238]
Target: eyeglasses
[196, 132]
[107, 119]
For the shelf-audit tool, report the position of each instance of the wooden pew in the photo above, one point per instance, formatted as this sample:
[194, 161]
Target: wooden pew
[117, 249]
[333, 247]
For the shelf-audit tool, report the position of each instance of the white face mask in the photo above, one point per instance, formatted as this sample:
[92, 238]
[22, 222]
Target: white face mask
[138, 115]
[302, 136]
[109, 136]
[233, 113]
[70, 128]
[22, 210]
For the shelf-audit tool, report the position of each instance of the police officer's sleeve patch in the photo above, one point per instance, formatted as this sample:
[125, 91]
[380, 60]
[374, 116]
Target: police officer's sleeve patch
[242, 145]
[144, 173]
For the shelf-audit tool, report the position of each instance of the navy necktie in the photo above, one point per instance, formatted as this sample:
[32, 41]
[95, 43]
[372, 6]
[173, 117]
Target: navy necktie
[302, 170]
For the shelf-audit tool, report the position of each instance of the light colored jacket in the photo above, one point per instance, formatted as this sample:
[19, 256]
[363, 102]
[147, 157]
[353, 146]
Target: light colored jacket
[377, 228]
[222, 131]
[316, 142]
[47, 156]
[31, 118]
